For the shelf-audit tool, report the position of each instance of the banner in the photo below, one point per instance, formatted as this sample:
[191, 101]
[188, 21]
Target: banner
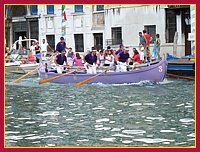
[64, 19]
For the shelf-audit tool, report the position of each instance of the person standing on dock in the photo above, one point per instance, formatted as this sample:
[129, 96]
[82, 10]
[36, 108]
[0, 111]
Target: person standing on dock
[142, 41]
[37, 52]
[91, 61]
[148, 39]
[32, 48]
[44, 46]
[158, 46]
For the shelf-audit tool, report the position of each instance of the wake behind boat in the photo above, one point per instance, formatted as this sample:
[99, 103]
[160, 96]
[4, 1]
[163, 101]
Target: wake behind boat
[154, 73]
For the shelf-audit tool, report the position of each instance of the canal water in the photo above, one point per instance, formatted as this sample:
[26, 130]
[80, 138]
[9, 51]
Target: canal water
[96, 115]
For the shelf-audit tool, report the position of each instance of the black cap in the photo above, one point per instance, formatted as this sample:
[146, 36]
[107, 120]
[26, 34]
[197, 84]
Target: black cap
[93, 48]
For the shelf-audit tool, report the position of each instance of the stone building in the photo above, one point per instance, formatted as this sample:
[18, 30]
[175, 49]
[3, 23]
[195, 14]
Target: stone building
[100, 25]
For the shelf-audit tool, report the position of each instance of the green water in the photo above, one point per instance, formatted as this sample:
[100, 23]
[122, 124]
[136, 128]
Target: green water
[141, 114]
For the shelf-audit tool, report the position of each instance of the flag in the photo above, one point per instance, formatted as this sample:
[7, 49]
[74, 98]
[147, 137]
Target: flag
[64, 19]
[64, 13]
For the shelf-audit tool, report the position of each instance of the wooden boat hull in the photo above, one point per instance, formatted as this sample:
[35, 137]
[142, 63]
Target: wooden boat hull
[153, 73]
[184, 66]
[181, 67]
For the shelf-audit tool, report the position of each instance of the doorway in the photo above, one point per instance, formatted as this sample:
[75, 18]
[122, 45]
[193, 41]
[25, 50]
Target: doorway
[98, 40]
[51, 41]
[187, 43]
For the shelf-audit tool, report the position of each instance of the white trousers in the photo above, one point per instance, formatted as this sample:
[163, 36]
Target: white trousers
[121, 67]
[44, 53]
[59, 69]
[70, 61]
[91, 68]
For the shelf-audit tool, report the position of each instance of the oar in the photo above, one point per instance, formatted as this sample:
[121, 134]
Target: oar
[89, 79]
[17, 80]
[179, 76]
[56, 77]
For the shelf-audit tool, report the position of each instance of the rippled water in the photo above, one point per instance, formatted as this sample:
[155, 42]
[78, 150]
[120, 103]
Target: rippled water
[142, 114]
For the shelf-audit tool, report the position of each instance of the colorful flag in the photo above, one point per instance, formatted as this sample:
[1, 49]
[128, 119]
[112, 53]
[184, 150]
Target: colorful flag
[64, 19]
[65, 15]
[64, 12]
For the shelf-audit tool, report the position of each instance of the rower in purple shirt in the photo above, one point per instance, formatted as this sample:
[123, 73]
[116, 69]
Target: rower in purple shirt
[91, 61]
[60, 60]
[61, 45]
[122, 62]
[121, 49]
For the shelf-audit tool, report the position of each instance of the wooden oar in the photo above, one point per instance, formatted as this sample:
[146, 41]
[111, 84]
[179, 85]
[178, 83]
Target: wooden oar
[89, 79]
[56, 77]
[179, 76]
[17, 80]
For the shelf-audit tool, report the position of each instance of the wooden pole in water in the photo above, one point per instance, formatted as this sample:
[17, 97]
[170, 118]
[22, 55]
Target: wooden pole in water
[179, 76]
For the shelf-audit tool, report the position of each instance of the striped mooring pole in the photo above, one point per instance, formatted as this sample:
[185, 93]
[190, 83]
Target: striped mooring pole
[64, 20]
[193, 26]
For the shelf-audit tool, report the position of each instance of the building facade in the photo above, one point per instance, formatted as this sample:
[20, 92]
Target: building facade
[100, 25]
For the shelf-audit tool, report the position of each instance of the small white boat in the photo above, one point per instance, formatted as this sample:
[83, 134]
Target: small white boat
[17, 67]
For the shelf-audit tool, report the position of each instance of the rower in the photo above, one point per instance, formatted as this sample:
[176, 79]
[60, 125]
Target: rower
[122, 62]
[91, 61]
[61, 45]
[59, 61]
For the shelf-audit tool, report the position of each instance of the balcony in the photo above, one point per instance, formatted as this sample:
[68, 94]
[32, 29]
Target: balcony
[110, 42]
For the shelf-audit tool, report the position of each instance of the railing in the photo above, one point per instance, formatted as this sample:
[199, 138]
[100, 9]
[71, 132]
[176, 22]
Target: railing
[113, 42]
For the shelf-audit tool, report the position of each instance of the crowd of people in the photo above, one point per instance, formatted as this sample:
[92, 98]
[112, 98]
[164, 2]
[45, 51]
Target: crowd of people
[120, 59]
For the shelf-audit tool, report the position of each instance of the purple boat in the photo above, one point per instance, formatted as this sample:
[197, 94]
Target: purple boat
[155, 72]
